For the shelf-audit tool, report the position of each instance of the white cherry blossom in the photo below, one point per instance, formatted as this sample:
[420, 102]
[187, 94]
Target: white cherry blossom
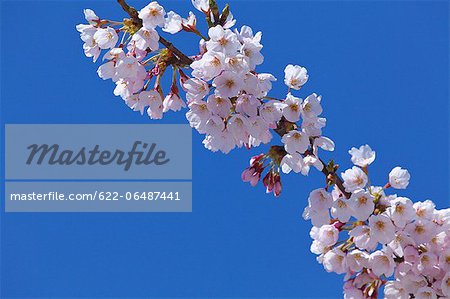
[271, 111]
[107, 70]
[324, 143]
[295, 76]
[311, 106]
[252, 51]
[354, 179]
[328, 235]
[218, 105]
[173, 23]
[362, 237]
[209, 66]
[173, 102]
[246, 35]
[247, 104]
[421, 230]
[341, 209]
[425, 293]
[152, 15]
[335, 261]
[399, 178]
[320, 199]
[222, 40]
[106, 38]
[201, 5]
[137, 103]
[313, 125]
[401, 211]
[295, 141]
[223, 142]
[357, 260]
[425, 209]
[238, 126]
[395, 290]
[363, 156]
[444, 260]
[90, 16]
[362, 205]
[292, 162]
[292, 108]
[227, 84]
[198, 115]
[381, 263]
[214, 125]
[381, 228]
[317, 217]
[196, 89]
[146, 38]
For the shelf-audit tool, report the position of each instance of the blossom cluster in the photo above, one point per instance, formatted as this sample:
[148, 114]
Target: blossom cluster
[300, 142]
[226, 97]
[231, 113]
[377, 239]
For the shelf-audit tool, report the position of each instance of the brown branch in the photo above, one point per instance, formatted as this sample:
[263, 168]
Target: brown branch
[185, 60]
[337, 180]
[133, 13]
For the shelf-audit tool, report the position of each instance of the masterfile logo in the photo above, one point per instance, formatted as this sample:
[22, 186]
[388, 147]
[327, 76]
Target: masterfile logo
[98, 152]
[141, 153]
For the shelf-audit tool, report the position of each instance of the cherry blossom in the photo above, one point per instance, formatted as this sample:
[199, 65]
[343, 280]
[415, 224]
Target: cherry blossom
[311, 106]
[399, 178]
[362, 157]
[295, 141]
[106, 38]
[292, 108]
[401, 211]
[146, 38]
[328, 235]
[227, 84]
[222, 40]
[90, 16]
[381, 228]
[381, 263]
[362, 205]
[295, 76]
[173, 102]
[173, 23]
[201, 5]
[152, 15]
[354, 179]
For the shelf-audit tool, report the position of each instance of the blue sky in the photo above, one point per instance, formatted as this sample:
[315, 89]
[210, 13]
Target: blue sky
[382, 69]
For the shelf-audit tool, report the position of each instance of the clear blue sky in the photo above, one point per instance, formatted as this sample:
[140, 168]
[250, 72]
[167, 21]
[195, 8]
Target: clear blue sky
[382, 68]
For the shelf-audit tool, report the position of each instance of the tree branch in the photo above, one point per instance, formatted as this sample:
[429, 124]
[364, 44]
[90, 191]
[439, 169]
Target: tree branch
[133, 13]
[185, 60]
[338, 181]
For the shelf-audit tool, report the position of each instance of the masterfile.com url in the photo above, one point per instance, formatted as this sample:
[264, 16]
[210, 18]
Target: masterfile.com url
[99, 195]
[54, 196]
